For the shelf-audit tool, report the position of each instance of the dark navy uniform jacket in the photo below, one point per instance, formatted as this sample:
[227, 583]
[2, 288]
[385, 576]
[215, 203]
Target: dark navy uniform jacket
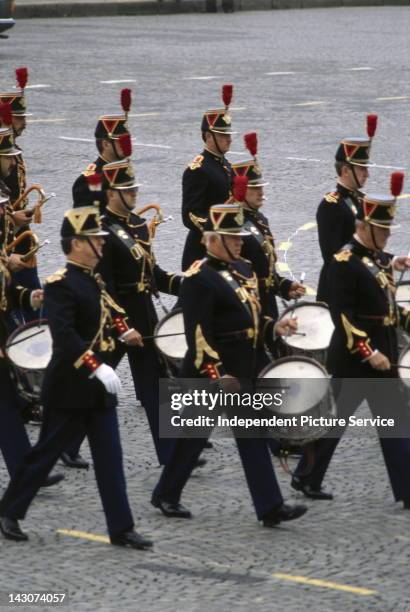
[82, 194]
[259, 249]
[223, 323]
[335, 218]
[84, 322]
[129, 268]
[361, 302]
[205, 182]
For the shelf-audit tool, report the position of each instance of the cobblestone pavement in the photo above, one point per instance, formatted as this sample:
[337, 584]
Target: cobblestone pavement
[304, 79]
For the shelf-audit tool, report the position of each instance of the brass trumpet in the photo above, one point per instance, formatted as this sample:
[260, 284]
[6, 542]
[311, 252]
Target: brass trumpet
[156, 220]
[42, 199]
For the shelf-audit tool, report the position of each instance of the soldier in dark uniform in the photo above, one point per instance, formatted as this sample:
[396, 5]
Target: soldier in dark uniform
[207, 180]
[87, 188]
[259, 246]
[129, 268]
[364, 342]
[337, 211]
[14, 441]
[224, 331]
[85, 322]
[14, 105]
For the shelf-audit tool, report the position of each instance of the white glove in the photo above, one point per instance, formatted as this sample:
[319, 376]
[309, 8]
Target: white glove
[108, 377]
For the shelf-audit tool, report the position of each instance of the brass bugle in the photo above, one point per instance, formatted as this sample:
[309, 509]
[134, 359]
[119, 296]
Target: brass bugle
[35, 187]
[34, 250]
[157, 218]
[20, 238]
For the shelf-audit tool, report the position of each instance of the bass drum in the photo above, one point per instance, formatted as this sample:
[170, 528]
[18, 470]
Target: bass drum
[316, 325]
[306, 391]
[29, 350]
[170, 338]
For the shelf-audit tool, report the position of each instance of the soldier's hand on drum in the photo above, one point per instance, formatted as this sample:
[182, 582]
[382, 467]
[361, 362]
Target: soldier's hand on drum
[401, 263]
[286, 326]
[15, 264]
[132, 337]
[378, 361]
[108, 377]
[296, 290]
[36, 298]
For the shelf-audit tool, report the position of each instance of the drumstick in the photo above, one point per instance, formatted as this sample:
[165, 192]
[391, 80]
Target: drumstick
[403, 271]
[163, 336]
[292, 313]
[401, 367]
[24, 339]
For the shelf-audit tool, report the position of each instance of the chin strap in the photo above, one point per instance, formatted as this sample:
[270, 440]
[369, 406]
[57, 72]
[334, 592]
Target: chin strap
[118, 156]
[358, 186]
[227, 249]
[93, 248]
[374, 237]
[216, 145]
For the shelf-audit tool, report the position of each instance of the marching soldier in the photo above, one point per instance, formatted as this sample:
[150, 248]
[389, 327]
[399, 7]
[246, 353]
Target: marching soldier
[14, 441]
[130, 270]
[337, 211]
[224, 332]
[207, 180]
[259, 246]
[85, 323]
[14, 112]
[364, 343]
[108, 132]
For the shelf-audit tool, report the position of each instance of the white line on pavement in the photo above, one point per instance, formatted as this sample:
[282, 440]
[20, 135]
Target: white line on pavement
[200, 78]
[37, 86]
[358, 69]
[115, 81]
[279, 73]
[71, 138]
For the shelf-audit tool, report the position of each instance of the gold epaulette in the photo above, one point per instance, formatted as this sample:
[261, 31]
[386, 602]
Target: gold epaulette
[89, 170]
[332, 197]
[196, 163]
[57, 276]
[343, 255]
[194, 268]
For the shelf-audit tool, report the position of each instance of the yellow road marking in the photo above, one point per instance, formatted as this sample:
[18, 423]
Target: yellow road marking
[310, 290]
[404, 196]
[83, 534]
[307, 226]
[284, 246]
[278, 575]
[282, 266]
[325, 584]
[313, 103]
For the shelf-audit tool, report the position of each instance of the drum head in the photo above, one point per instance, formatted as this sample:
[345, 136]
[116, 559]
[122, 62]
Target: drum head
[403, 294]
[404, 360]
[31, 346]
[315, 322]
[304, 381]
[172, 346]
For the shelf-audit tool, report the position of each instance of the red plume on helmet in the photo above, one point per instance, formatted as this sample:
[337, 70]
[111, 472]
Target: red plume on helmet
[6, 116]
[94, 179]
[371, 125]
[251, 143]
[22, 77]
[396, 183]
[240, 185]
[126, 99]
[227, 91]
[125, 144]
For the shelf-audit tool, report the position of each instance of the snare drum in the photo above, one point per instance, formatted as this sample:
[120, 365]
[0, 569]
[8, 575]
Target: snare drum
[315, 322]
[29, 350]
[404, 360]
[402, 298]
[170, 337]
[307, 392]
